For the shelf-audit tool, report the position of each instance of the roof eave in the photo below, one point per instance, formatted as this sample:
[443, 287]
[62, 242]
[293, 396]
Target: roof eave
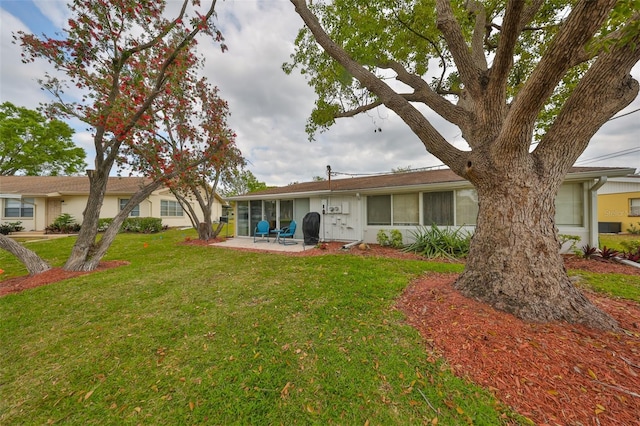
[595, 174]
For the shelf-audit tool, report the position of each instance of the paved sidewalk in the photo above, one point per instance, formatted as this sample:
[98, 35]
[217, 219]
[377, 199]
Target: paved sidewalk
[271, 245]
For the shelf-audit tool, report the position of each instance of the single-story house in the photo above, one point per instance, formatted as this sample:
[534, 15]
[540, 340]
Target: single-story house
[619, 205]
[37, 201]
[356, 209]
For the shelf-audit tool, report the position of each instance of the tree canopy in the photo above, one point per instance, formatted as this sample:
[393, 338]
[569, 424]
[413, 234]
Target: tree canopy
[32, 145]
[241, 181]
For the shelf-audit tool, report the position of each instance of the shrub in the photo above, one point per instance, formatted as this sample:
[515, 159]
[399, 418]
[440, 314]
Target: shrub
[141, 225]
[440, 242]
[634, 229]
[608, 253]
[633, 256]
[383, 238]
[9, 227]
[572, 239]
[588, 251]
[63, 224]
[396, 239]
[630, 245]
[103, 224]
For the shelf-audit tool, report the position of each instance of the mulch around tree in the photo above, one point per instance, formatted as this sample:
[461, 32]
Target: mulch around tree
[53, 275]
[554, 374]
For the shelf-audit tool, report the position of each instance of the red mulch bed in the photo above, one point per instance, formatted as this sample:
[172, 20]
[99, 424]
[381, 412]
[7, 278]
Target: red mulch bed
[16, 285]
[554, 374]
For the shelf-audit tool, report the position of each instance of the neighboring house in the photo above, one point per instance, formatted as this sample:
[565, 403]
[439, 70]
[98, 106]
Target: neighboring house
[355, 209]
[37, 201]
[619, 205]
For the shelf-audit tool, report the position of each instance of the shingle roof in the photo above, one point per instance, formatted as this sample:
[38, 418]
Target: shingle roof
[394, 180]
[65, 185]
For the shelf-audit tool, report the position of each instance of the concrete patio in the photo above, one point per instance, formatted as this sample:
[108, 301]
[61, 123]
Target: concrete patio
[271, 245]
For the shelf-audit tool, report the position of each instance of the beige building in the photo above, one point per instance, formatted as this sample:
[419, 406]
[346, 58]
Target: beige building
[37, 201]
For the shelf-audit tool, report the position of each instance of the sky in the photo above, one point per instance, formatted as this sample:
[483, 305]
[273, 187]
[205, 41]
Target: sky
[269, 109]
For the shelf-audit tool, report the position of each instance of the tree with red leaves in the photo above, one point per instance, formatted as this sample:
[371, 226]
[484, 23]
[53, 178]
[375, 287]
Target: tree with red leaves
[122, 56]
[197, 142]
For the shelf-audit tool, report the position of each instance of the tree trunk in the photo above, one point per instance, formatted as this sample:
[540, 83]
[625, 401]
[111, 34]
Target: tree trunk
[85, 243]
[514, 263]
[205, 230]
[218, 229]
[34, 264]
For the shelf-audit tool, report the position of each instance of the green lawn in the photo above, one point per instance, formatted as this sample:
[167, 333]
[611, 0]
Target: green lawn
[195, 335]
[615, 241]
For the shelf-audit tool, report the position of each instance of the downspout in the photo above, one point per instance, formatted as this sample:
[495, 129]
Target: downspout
[593, 211]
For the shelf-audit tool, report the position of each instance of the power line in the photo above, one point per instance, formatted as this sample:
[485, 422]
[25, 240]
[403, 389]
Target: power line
[620, 116]
[608, 156]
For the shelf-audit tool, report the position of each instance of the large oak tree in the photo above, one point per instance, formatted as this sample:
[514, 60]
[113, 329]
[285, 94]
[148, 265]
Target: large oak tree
[527, 82]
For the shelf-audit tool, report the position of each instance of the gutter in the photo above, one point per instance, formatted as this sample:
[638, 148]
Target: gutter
[593, 211]
[601, 181]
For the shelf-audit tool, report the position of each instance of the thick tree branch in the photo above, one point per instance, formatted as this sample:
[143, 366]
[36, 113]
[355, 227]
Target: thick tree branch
[503, 61]
[462, 56]
[31, 261]
[530, 12]
[425, 94]
[430, 137]
[606, 88]
[477, 40]
[583, 22]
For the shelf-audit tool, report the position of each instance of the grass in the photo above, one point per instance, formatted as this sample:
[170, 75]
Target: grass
[615, 240]
[193, 335]
[616, 285]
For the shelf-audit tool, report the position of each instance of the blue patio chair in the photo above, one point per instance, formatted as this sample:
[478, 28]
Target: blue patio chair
[287, 232]
[262, 230]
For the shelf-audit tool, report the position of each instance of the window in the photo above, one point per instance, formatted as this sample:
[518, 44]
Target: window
[243, 218]
[170, 208]
[379, 210]
[634, 206]
[286, 212]
[438, 208]
[14, 207]
[466, 207]
[406, 209]
[270, 213]
[569, 205]
[136, 210]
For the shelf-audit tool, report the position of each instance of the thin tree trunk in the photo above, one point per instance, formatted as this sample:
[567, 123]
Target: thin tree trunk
[218, 229]
[515, 264]
[34, 263]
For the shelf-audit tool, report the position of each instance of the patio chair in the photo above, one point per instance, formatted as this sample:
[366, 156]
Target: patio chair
[287, 232]
[262, 230]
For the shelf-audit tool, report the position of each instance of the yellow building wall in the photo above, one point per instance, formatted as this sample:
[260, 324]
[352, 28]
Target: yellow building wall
[615, 208]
